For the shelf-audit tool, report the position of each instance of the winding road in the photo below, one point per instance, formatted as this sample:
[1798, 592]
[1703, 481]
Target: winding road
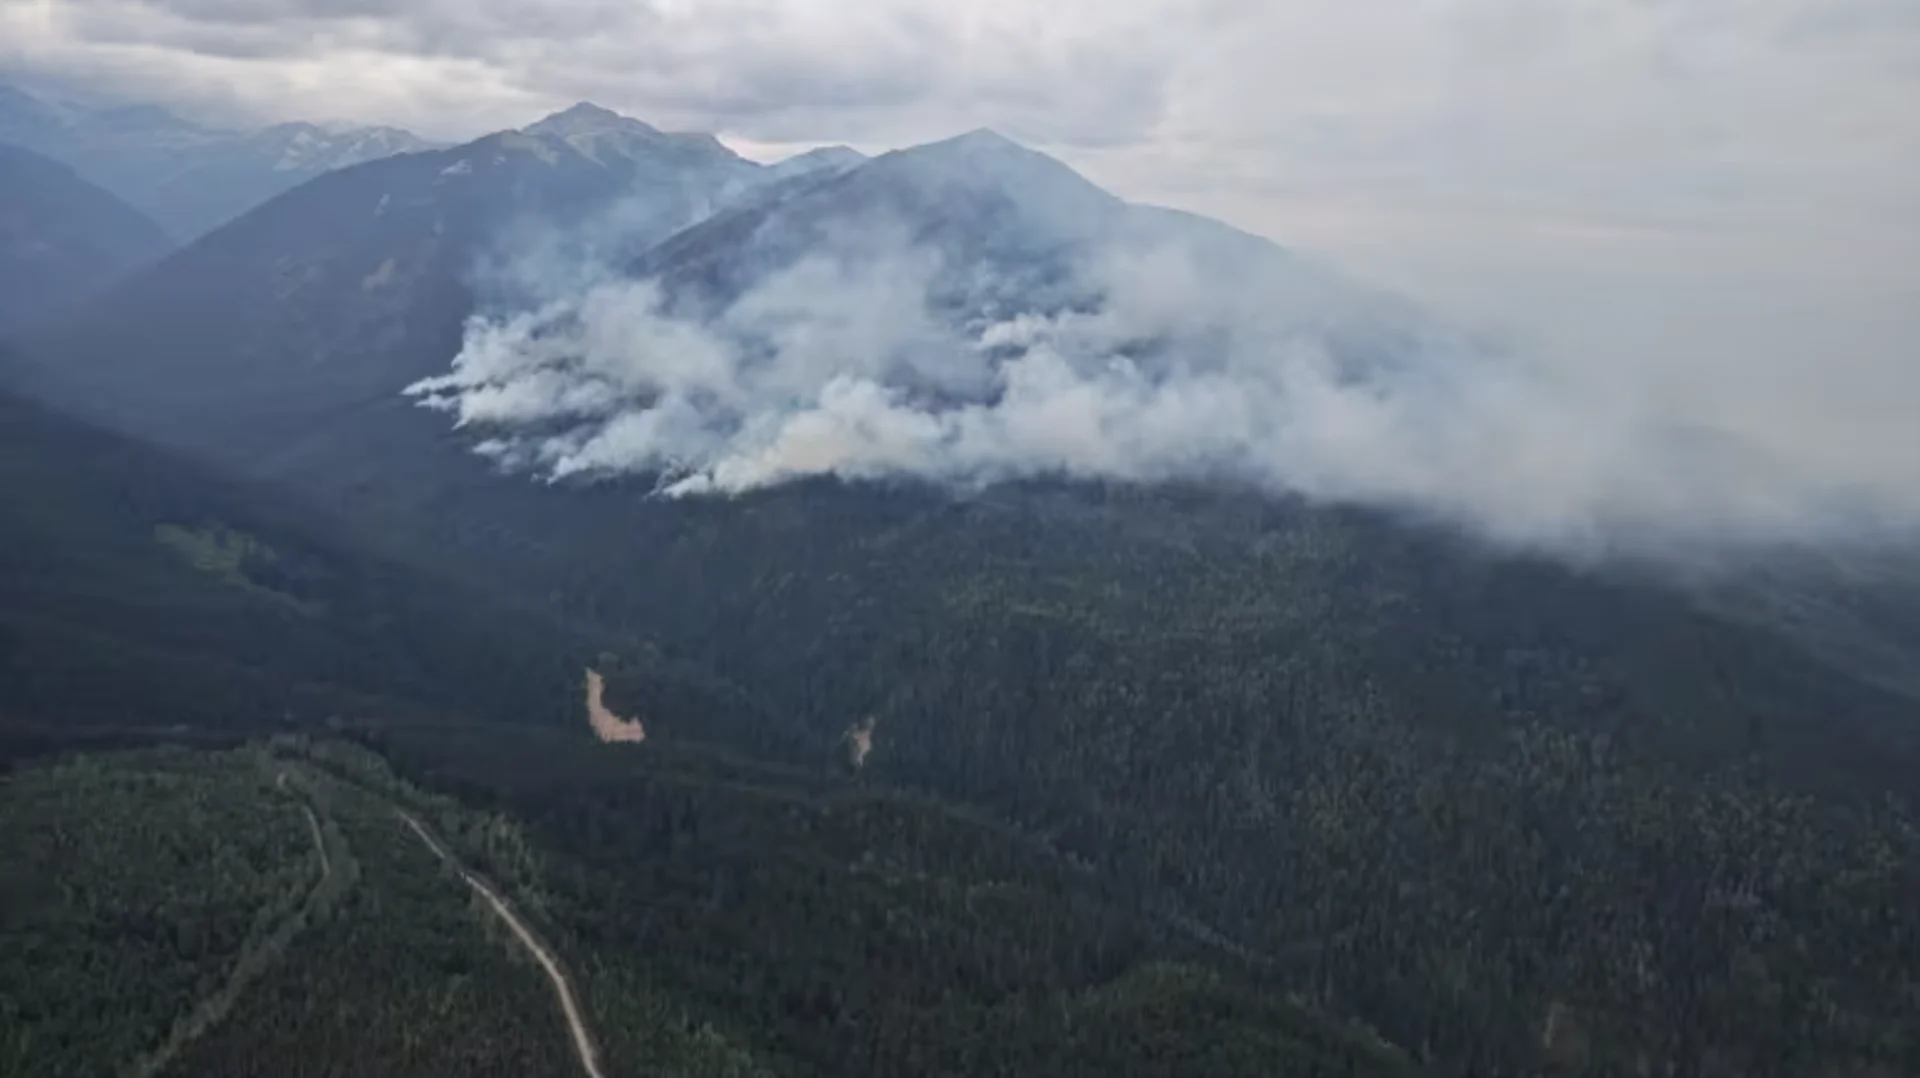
[562, 986]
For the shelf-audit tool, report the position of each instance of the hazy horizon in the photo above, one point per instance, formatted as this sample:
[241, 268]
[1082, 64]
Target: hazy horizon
[1702, 213]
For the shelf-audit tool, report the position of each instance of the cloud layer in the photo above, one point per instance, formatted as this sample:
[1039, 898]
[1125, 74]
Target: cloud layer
[780, 70]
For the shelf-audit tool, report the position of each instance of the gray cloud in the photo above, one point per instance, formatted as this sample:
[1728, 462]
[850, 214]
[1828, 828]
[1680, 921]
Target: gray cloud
[766, 69]
[1729, 112]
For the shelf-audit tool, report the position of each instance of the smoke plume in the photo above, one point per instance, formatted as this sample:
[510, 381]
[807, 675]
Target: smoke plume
[1158, 358]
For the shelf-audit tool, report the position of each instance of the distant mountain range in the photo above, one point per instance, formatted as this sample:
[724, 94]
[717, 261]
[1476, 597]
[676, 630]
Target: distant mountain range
[189, 177]
[192, 177]
[328, 301]
[62, 238]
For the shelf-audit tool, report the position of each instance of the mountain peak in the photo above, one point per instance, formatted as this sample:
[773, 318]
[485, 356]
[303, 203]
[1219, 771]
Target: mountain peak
[587, 118]
[981, 138]
[982, 148]
[980, 144]
[985, 159]
[834, 154]
[586, 110]
[823, 159]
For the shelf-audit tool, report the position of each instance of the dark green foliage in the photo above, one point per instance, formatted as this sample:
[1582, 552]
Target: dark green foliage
[1169, 1021]
[1436, 790]
[131, 887]
[834, 929]
[1510, 814]
[1451, 793]
[766, 923]
[170, 913]
[401, 977]
[135, 591]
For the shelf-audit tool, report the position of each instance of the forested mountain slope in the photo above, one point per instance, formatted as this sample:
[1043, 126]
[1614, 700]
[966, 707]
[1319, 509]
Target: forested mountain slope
[718, 922]
[62, 238]
[147, 601]
[1519, 816]
[1368, 756]
[276, 341]
[141, 592]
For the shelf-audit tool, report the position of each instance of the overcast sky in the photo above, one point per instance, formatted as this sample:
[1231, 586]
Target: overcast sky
[1695, 193]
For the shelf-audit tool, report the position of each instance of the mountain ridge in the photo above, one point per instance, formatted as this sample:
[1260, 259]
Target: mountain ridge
[189, 177]
[819, 159]
[62, 239]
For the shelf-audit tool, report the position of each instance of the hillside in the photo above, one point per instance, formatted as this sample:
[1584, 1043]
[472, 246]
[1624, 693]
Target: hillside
[137, 592]
[710, 928]
[1517, 815]
[303, 320]
[145, 601]
[62, 239]
[190, 177]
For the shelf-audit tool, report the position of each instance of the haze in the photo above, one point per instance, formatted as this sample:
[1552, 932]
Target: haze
[1702, 214]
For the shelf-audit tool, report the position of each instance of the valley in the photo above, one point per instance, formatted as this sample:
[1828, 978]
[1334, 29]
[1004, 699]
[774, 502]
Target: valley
[804, 630]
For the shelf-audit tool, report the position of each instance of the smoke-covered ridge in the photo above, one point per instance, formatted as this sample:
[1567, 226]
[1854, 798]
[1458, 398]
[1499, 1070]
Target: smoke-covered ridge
[972, 312]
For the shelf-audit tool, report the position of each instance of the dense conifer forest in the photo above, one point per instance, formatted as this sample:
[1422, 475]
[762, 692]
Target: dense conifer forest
[1158, 783]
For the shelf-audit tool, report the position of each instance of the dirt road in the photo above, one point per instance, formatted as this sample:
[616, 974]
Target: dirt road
[319, 844]
[562, 986]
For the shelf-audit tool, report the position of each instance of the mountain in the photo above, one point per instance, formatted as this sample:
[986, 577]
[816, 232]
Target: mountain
[1517, 815]
[606, 136]
[824, 159]
[61, 238]
[979, 200]
[1013, 234]
[139, 592]
[340, 293]
[146, 599]
[189, 177]
[144, 602]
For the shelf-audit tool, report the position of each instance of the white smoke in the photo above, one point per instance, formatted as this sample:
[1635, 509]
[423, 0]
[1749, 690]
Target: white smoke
[853, 363]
